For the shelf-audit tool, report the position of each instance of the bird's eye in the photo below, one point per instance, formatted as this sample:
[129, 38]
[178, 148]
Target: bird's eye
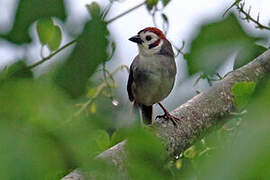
[148, 38]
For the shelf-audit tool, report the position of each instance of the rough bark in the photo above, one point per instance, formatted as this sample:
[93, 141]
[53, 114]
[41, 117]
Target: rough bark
[200, 113]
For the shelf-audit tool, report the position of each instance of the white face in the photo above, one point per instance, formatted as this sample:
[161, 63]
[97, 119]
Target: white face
[146, 48]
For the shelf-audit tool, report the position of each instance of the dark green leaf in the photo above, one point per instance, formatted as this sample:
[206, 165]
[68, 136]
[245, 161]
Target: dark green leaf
[242, 92]
[245, 55]
[151, 3]
[45, 30]
[165, 18]
[215, 43]
[29, 11]
[18, 70]
[89, 52]
[55, 41]
[165, 2]
[118, 136]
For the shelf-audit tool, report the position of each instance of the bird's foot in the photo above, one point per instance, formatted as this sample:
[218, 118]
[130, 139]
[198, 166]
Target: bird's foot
[169, 117]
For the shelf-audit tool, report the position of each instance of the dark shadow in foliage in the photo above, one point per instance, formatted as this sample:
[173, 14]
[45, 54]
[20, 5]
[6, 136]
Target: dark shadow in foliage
[216, 42]
[18, 70]
[89, 52]
[29, 11]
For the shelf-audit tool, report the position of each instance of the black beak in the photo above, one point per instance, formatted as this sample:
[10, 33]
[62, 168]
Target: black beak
[136, 39]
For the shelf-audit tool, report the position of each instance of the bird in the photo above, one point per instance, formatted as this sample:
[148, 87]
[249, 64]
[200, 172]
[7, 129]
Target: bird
[152, 73]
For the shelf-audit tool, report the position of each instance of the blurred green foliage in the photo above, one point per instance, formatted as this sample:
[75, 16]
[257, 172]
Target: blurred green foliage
[29, 11]
[42, 135]
[216, 42]
[17, 70]
[90, 51]
[244, 56]
[242, 92]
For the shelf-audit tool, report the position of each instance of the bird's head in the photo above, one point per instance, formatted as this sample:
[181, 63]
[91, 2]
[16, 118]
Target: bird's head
[150, 41]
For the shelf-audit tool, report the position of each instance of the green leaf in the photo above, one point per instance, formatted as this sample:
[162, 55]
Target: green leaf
[89, 52]
[245, 55]
[165, 18]
[17, 70]
[146, 156]
[190, 152]
[165, 2]
[215, 43]
[102, 139]
[49, 34]
[94, 9]
[242, 92]
[28, 12]
[55, 41]
[151, 3]
[118, 136]
[45, 30]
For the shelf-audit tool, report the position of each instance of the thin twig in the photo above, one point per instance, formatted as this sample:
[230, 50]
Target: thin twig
[248, 17]
[51, 55]
[126, 12]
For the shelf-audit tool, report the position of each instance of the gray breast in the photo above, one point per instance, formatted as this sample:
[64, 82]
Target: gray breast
[153, 79]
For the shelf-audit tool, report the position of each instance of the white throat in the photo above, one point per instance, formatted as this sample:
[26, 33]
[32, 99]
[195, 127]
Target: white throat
[145, 51]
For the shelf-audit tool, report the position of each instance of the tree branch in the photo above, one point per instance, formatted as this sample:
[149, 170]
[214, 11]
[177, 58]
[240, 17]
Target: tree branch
[199, 114]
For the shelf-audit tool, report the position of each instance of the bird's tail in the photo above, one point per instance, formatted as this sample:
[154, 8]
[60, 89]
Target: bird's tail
[146, 112]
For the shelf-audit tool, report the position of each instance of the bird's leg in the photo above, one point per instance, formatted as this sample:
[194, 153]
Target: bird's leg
[167, 115]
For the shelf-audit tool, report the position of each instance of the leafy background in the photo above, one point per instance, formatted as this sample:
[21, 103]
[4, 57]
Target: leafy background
[55, 119]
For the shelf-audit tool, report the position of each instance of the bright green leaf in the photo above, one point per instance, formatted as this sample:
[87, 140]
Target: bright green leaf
[45, 30]
[91, 92]
[102, 139]
[93, 108]
[178, 164]
[242, 92]
[118, 136]
[190, 152]
[55, 41]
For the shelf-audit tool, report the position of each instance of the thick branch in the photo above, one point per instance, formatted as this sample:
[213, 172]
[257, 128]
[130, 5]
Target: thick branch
[200, 113]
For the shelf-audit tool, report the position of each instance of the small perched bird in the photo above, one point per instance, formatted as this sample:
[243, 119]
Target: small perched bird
[152, 73]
